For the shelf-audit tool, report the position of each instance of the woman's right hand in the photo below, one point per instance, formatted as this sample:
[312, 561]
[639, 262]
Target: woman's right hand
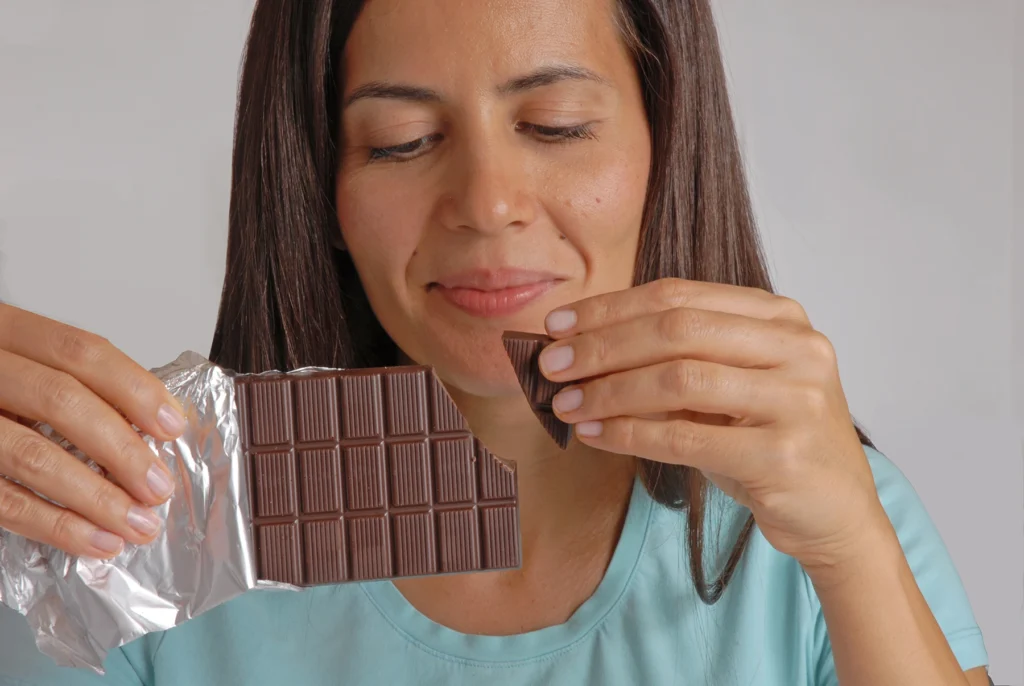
[73, 380]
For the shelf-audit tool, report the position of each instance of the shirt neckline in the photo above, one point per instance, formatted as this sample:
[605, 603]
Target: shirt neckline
[533, 645]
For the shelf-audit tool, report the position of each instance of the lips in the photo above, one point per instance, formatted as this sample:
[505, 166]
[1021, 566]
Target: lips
[494, 293]
[496, 279]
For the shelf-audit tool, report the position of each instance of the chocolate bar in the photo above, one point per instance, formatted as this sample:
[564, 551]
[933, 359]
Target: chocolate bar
[370, 474]
[523, 350]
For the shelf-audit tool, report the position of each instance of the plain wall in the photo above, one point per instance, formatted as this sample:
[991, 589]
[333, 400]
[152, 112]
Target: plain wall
[1018, 218]
[1018, 248]
[878, 138]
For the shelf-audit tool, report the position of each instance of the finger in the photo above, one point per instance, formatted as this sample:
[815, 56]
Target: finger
[736, 452]
[30, 389]
[25, 514]
[667, 294]
[658, 337]
[111, 374]
[38, 463]
[705, 387]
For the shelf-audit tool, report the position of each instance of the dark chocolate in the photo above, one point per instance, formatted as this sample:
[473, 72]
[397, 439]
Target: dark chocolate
[370, 474]
[523, 350]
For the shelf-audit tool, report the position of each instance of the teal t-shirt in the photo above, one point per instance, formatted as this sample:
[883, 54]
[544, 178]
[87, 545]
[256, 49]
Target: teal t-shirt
[643, 625]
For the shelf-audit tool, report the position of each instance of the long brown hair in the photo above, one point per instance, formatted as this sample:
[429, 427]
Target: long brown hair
[291, 300]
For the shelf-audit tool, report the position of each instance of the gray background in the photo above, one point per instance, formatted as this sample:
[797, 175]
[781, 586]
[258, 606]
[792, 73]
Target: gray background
[878, 137]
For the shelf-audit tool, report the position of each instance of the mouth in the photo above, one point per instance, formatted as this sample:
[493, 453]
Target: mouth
[492, 293]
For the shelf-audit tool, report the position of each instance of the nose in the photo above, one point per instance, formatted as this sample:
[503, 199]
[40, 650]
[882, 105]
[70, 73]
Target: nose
[488, 189]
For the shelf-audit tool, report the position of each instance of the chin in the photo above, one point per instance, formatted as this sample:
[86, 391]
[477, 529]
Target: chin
[480, 379]
[474, 362]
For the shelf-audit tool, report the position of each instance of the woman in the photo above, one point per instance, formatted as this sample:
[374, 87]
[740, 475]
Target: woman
[412, 178]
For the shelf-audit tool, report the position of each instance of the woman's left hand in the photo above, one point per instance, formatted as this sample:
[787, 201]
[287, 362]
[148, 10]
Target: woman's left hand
[734, 382]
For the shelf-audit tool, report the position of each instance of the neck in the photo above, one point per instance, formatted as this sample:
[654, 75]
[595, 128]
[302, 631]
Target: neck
[567, 497]
[572, 506]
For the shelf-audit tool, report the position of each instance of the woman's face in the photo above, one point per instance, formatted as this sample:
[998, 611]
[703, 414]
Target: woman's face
[495, 164]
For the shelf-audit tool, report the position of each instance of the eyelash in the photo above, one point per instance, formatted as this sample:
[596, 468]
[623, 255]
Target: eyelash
[378, 154]
[552, 134]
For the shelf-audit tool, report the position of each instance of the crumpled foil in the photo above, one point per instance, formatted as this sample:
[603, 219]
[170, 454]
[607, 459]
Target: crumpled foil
[79, 608]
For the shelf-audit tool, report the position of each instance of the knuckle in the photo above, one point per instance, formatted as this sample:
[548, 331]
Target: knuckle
[683, 375]
[679, 324]
[123, 451]
[626, 436]
[106, 498]
[15, 504]
[820, 347]
[75, 347]
[29, 455]
[788, 308]
[138, 385]
[599, 348]
[672, 291]
[65, 523]
[59, 395]
[683, 440]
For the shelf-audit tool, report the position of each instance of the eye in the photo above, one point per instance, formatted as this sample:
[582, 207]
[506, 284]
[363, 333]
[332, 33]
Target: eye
[556, 134]
[405, 151]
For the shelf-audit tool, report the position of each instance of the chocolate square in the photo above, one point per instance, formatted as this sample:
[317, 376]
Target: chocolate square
[523, 351]
[371, 547]
[321, 481]
[316, 409]
[415, 544]
[410, 473]
[407, 402]
[361, 406]
[455, 469]
[459, 539]
[364, 477]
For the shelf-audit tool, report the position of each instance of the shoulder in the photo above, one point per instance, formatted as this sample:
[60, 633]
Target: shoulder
[919, 537]
[894, 488]
[765, 575]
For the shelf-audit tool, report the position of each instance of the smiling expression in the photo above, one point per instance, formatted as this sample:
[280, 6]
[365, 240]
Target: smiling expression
[494, 167]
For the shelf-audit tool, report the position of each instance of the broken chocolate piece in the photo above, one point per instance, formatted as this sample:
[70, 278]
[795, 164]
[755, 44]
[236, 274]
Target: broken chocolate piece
[370, 474]
[523, 350]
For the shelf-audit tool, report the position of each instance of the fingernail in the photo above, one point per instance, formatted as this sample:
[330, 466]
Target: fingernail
[588, 429]
[568, 400]
[170, 420]
[560, 320]
[159, 482]
[143, 520]
[106, 541]
[556, 359]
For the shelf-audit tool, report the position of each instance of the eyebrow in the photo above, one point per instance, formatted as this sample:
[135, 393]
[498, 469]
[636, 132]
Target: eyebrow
[545, 76]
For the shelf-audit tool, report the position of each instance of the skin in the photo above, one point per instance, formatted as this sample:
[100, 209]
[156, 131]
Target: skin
[733, 381]
[73, 380]
[494, 192]
[729, 380]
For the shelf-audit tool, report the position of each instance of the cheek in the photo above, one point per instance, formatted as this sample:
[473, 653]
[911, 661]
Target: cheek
[380, 224]
[599, 205]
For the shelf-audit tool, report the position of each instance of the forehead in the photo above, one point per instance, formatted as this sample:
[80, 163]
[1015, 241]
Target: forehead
[452, 43]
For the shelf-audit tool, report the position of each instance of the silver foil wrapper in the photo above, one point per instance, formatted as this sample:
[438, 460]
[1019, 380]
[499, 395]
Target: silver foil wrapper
[79, 608]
